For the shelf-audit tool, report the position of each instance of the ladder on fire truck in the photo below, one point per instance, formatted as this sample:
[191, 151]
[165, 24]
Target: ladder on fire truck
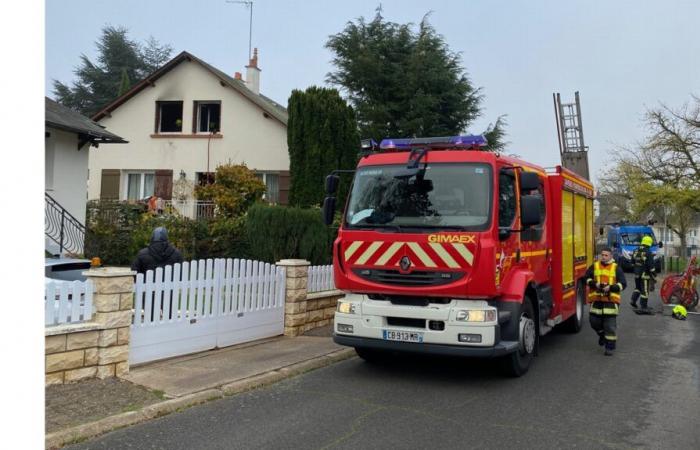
[574, 154]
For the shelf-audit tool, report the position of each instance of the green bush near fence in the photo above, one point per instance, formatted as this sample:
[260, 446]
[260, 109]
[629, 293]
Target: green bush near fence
[117, 231]
[279, 232]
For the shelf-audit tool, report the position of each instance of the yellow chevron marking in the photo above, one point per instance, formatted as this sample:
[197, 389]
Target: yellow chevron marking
[352, 249]
[442, 253]
[369, 252]
[464, 251]
[425, 259]
[389, 253]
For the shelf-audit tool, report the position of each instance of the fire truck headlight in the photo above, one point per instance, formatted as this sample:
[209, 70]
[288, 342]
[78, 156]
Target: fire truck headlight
[480, 315]
[346, 307]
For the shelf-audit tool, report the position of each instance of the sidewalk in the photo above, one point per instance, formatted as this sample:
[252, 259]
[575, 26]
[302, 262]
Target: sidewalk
[160, 388]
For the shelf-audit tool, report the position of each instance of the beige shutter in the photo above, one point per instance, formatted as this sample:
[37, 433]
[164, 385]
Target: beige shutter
[109, 186]
[164, 184]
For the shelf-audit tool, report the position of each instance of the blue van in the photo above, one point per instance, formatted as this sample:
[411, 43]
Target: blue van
[624, 240]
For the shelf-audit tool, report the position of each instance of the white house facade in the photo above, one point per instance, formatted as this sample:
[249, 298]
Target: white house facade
[181, 122]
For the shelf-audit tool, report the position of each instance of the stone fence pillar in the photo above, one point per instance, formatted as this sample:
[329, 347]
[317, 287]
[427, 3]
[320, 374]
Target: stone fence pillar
[297, 272]
[112, 310]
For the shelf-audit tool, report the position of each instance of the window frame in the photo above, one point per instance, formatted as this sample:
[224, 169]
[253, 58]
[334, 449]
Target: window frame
[263, 176]
[536, 233]
[196, 105]
[505, 172]
[159, 115]
[142, 182]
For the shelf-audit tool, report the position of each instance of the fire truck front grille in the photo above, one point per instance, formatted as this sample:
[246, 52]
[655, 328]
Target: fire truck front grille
[415, 278]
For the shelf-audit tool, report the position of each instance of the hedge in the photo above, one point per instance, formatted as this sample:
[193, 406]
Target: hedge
[279, 232]
[116, 232]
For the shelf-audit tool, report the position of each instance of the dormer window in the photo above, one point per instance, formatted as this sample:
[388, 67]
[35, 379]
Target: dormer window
[207, 116]
[169, 117]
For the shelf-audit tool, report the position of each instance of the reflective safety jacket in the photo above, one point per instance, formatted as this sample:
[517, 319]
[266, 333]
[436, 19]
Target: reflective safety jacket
[607, 274]
[643, 262]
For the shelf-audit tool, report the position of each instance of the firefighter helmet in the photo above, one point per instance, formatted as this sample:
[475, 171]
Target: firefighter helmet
[648, 241]
[680, 313]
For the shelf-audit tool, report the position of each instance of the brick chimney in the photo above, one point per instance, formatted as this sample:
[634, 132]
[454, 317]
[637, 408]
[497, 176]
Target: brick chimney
[252, 80]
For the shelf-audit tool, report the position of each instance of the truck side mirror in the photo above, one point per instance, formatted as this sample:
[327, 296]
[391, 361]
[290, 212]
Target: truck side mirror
[328, 210]
[615, 245]
[332, 184]
[660, 244]
[530, 208]
[529, 181]
[601, 231]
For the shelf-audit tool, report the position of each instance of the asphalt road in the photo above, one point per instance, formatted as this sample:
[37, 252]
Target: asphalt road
[646, 396]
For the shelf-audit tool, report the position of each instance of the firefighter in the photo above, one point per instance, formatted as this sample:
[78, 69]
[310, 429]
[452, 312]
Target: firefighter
[644, 272]
[606, 281]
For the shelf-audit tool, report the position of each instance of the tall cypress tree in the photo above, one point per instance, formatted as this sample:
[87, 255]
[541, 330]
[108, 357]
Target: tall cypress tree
[322, 136]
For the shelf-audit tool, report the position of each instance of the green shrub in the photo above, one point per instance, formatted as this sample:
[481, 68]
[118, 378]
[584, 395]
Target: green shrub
[116, 232]
[278, 232]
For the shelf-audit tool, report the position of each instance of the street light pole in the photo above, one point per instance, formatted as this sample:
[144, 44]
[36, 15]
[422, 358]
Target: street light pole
[250, 26]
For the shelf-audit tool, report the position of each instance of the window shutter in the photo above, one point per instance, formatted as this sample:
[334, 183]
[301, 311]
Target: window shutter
[109, 186]
[284, 179]
[164, 184]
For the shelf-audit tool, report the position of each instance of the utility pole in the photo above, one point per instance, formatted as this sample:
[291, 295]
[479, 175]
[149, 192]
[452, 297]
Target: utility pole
[248, 4]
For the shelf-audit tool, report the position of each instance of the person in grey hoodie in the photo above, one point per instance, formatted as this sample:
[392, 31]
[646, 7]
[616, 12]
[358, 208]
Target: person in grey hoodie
[159, 253]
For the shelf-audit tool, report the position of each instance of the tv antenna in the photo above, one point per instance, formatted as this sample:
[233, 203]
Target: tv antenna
[248, 4]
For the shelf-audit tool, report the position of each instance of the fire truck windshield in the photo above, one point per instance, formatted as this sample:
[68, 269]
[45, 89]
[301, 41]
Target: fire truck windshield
[440, 195]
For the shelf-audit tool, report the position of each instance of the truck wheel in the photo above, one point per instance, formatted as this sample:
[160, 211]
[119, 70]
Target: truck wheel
[368, 354]
[518, 362]
[573, 323]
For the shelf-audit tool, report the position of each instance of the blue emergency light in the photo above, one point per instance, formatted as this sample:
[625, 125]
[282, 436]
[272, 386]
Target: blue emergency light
[462, 142]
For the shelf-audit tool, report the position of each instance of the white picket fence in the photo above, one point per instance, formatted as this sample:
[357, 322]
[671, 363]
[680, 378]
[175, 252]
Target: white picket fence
[67, 302]
[205, 304]
[320, 278]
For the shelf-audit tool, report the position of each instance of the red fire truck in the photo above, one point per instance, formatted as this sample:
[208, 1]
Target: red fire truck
[446, 248]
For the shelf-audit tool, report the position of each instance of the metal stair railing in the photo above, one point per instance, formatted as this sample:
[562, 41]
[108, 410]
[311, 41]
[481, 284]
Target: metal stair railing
[62, 227]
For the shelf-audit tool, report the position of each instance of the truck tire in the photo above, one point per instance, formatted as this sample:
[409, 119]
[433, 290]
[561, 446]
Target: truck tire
[370, 355]
[573, 324]
[517, 363]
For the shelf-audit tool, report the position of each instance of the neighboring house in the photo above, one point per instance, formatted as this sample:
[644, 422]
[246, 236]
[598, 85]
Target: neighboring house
[181, 122]
[68, 136]
[672, 241]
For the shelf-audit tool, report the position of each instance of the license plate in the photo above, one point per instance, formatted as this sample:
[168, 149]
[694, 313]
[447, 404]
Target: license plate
[403, 336]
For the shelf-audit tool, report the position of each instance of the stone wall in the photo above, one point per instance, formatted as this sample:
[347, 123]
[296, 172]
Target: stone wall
[305, 311]
[99, 348]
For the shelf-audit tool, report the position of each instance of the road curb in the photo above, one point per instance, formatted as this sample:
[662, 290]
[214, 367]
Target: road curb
[86, 431]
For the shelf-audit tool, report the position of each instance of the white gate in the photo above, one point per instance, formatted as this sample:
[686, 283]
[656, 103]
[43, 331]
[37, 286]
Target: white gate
[205, 304]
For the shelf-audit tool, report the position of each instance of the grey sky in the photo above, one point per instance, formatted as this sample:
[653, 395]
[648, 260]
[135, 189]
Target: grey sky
[622, 56]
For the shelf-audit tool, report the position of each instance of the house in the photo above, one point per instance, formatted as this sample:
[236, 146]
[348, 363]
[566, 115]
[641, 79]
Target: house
[68, 136]
[184, 120]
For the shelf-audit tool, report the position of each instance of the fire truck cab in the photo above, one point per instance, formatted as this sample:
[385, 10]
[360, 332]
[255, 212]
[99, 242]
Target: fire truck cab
[446, 248]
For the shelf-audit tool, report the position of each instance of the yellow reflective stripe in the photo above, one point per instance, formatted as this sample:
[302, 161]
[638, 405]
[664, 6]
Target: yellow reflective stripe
[374, 246]
[464, 251]
[605, 310]
[534, 253]
[442, 253]
[352, 249]
[425, 259]
[610, 337]
[389, 253]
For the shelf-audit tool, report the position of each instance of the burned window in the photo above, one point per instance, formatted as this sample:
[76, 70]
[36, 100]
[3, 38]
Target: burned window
[169, 117]
[208, 116]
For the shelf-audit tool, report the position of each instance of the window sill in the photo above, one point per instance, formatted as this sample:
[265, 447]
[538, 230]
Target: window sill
[187, 136]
